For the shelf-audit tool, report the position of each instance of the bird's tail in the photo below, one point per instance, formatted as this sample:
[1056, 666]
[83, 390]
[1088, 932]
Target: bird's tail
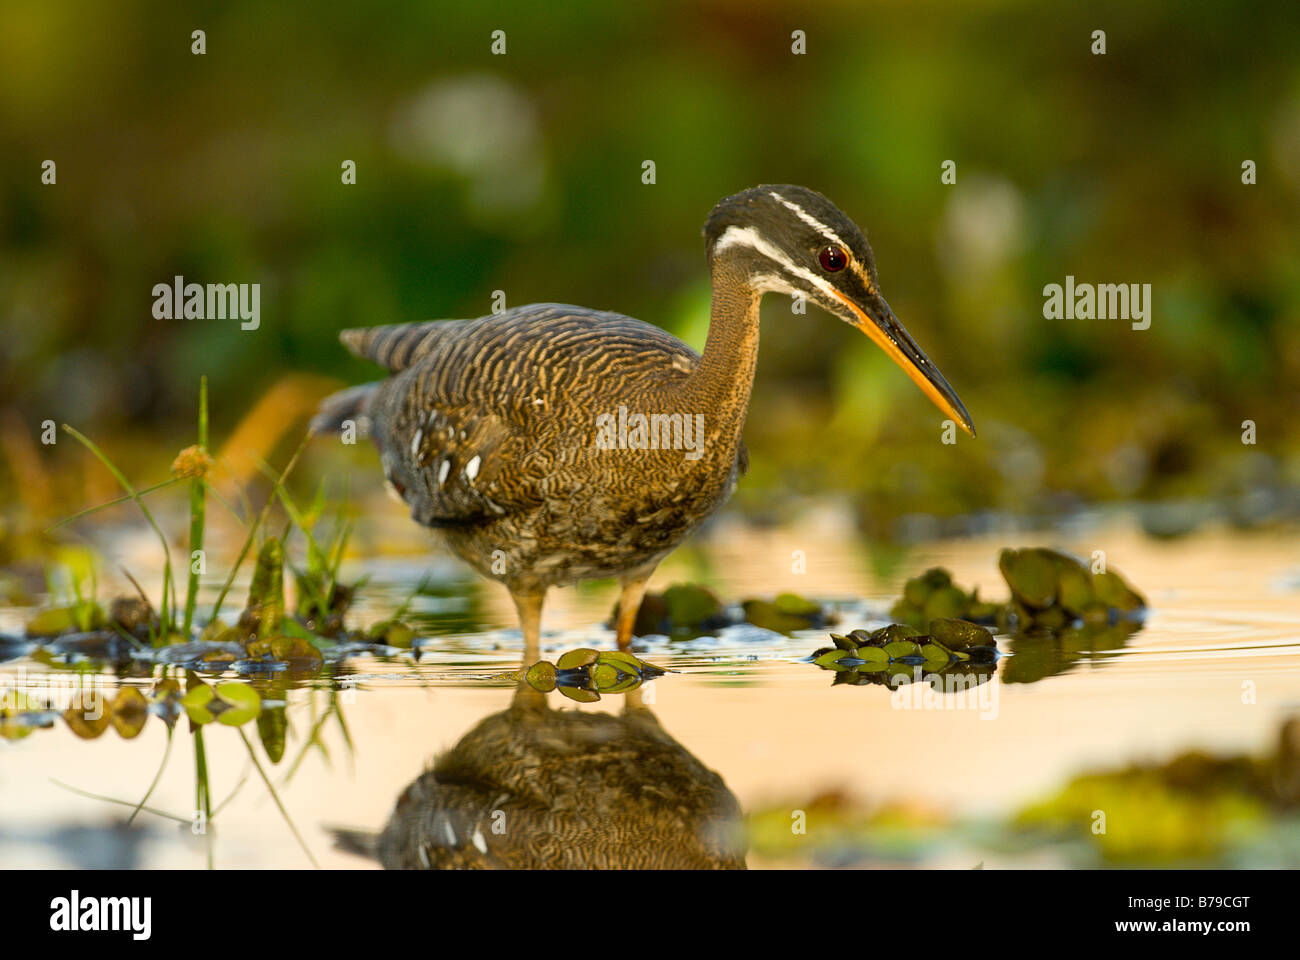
[352, 404]
[361, 843]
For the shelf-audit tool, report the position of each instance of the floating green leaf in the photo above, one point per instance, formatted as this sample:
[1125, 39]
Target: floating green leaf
[959, 634]
[947, 602]
[1031, 575]
[1075, 589]
[624, 683]
[830, 657]
[690, 605]
[902, 648]
[50, 623]
[1115, 593]
[935, 653]
[872, 655]
[541, 676]
[625, 661]
[604, 676]
[794, 605]
[895, 631]
[392, 633]
[581, 657]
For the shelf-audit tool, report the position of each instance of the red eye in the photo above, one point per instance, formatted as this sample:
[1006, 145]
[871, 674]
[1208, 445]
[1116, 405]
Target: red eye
[833, 259]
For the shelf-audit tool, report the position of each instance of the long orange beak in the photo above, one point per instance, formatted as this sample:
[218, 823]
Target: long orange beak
[889, 335]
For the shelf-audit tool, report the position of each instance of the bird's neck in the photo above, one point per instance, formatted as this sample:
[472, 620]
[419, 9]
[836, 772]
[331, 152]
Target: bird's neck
[719, 386]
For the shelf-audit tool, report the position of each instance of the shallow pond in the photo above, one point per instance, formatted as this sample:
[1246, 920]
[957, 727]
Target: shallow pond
[904, 779]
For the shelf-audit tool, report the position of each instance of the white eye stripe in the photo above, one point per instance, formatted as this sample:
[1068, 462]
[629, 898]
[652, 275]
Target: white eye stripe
[809, 219]
[749, 237]
[775, 283]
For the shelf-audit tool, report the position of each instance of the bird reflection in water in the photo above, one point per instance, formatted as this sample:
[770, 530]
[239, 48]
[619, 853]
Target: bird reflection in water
[532, 787]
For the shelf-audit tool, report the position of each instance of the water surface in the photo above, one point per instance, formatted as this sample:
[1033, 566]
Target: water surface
[1215, 667]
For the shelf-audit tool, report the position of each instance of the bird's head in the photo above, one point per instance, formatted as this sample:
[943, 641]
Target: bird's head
[789, 239]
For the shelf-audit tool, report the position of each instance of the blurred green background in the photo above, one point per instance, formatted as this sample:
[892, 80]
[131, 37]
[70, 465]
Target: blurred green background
[522, 173]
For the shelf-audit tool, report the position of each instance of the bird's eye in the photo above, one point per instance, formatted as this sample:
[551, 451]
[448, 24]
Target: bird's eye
[833, 259]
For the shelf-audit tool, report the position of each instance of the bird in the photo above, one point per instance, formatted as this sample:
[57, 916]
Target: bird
[533, 788]
[550, 443]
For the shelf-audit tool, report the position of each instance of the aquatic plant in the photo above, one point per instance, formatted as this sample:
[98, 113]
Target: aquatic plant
[173, 642]
[933, 595]
[1195, 808]
[688, 610]
[1051, 589]
[1048, 589]
[900, 653]
[585, 674]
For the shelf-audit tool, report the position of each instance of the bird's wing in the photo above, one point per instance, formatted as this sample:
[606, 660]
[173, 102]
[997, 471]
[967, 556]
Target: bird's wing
[465, 425]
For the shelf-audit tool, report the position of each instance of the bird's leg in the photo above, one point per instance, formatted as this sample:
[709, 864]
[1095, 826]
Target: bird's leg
[629, 603]
[529, 606]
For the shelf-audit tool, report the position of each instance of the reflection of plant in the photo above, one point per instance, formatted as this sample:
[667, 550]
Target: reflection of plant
[1040, 652]
[229, 703]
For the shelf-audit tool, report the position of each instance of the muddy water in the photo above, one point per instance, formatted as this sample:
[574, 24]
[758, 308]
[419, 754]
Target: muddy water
[1216, 667]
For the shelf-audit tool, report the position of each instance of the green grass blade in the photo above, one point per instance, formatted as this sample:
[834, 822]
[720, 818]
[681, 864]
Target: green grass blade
[163, 616]
[198, 514]
[111, 503]
[257, 524]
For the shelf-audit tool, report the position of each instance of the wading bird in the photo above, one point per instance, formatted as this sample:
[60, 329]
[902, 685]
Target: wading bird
[494, 431]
